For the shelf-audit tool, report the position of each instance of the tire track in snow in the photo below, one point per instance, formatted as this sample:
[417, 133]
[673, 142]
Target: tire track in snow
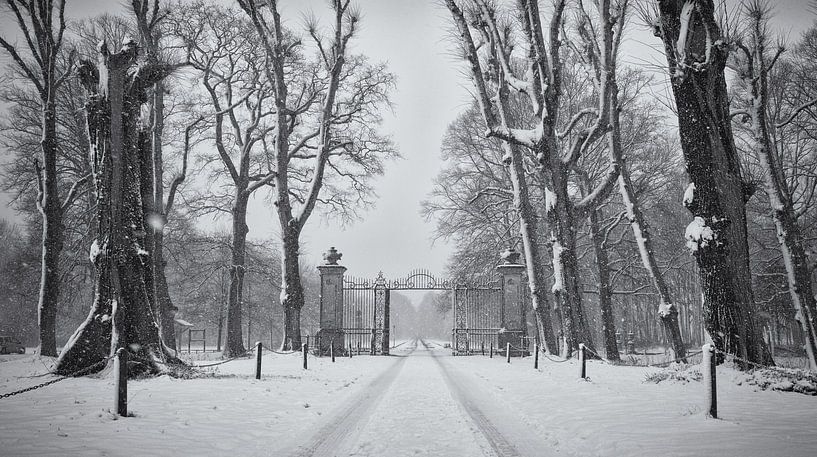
[479, 407]
[329, 439]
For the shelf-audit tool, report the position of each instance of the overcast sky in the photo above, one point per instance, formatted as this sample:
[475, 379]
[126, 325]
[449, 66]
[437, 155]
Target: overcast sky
[431, 90]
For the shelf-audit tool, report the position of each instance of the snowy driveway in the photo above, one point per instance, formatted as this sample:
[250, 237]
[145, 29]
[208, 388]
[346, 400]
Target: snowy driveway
[423, 405]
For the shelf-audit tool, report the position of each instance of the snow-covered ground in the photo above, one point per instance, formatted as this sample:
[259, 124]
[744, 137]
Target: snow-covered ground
[419, 402]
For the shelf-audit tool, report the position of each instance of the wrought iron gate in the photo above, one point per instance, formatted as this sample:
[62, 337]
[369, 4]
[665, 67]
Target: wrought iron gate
[484, 314]
[366, 315]
[477, 318]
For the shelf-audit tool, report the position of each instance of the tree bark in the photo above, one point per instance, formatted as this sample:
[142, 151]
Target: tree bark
[53, 238]
[699, 88]
[234, 346]
[292, 290]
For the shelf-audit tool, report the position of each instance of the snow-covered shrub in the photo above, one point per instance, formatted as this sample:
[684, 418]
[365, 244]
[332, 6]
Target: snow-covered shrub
[783, 379]
[678, 372]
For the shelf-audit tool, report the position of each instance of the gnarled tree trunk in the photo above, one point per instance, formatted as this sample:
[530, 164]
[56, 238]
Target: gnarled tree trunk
[121, 316]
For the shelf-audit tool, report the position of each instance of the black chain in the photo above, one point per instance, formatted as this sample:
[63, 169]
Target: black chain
[278, 352]
[248, 353]
[755, 364]
[54, 381]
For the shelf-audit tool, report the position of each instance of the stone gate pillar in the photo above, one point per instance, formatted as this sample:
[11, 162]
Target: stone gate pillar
[331, 301]
[512, 312]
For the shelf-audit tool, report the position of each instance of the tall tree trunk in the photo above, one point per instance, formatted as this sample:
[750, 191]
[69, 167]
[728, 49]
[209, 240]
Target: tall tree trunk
[121, 316]
[567, 285]
[292, 290]
[608, 321]
[166, 311]
[53, 237]
[718, 233]
[234, 346]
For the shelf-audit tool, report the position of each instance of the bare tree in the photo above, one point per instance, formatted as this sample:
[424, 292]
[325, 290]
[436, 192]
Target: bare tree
[230, 68]
[697, 52]
[753, 63]
[330, 130]
[42, 25]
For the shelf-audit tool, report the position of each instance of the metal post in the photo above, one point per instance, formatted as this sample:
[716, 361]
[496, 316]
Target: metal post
[710, 381]
[121, 370]
[582, 366]
[188, 340]
[508, 351]
[358, 348]
[304, 349]
[258, 348]
[332, 350]
[536, 357]
[492, 351]
[482, 347]
[350, 349]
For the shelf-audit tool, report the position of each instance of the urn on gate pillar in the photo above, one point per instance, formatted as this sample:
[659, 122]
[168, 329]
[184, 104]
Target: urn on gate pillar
[512, 312]
[331, 304]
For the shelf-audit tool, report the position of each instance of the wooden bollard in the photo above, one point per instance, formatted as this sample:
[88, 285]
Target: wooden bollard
[258, 349]
[305, 350]
[332, 350]
[582, 365]
[710, 380]
[536, 357]
[350, 349]
[120, 367]
[491, 352]
[358, 348]
[482, 347]
[508, 352]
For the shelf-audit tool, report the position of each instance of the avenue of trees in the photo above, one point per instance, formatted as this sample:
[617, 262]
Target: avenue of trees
[567, 155]
[682, 219]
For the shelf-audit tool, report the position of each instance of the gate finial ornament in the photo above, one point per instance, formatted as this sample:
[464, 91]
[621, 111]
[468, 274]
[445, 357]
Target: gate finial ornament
[510, 256]
[332, 256]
